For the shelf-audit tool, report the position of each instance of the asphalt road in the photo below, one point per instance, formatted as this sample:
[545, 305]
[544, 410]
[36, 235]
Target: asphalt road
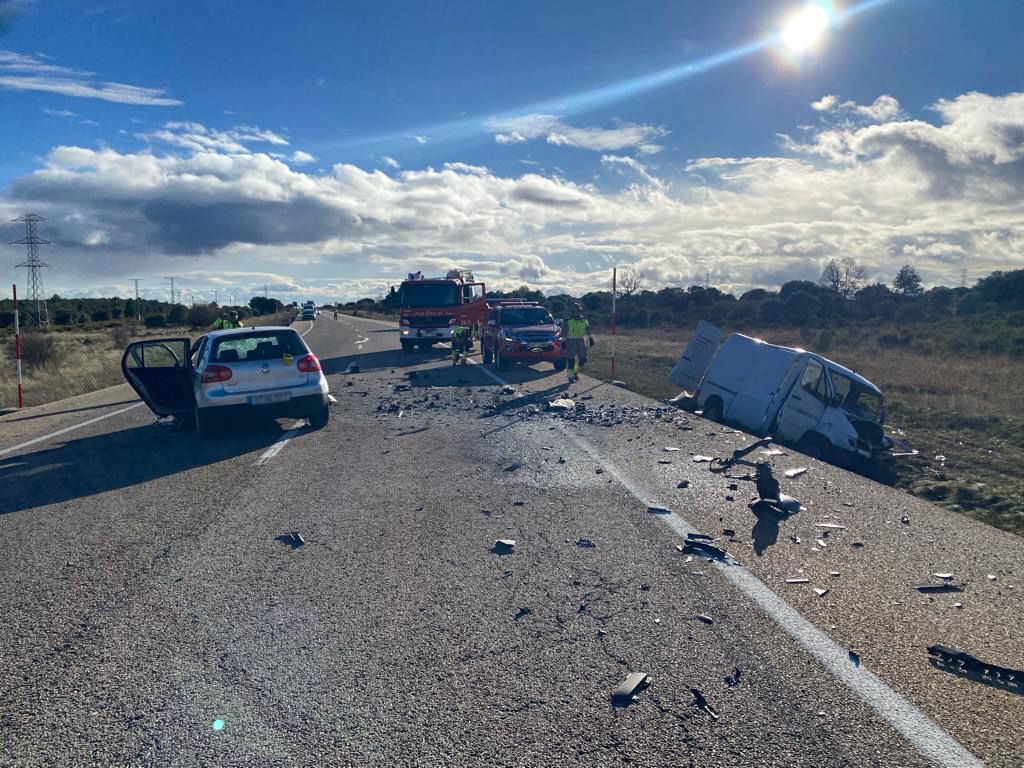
[150, 616]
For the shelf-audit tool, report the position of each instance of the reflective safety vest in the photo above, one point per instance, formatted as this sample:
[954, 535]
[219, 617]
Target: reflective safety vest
[221, 323]
[459, 330]
[576, 328]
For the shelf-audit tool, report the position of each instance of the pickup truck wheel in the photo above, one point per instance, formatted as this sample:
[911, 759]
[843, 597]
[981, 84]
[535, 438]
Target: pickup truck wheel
[713, 409]
[488, 357]
[407, 347]
[499, 361]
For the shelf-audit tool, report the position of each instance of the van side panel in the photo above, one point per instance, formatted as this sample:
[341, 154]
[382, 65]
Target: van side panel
[760, 387]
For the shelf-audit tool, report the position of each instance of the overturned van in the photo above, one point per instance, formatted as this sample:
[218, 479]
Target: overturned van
[805, 400]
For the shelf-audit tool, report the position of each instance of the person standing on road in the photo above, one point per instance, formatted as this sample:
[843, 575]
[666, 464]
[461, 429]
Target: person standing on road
[460, 341]
[227, 320]
[576, 327]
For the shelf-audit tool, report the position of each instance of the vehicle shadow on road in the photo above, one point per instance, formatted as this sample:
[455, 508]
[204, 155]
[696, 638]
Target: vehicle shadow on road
[68, 410]
[114, 460]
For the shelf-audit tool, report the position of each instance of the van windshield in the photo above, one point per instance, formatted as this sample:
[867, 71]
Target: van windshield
[429, 295]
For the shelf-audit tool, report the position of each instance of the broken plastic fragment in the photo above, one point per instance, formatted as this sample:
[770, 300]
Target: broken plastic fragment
[654, 509]
[797, 581]
[634, 683]
[820, 592]
[585, 543]
[796, 471]
[670, 449]
[699, 459]
[702, 703]
[938, 588]
[561, 404]
[503, 546]
[834, 526]
[705, 618]
[944, 576]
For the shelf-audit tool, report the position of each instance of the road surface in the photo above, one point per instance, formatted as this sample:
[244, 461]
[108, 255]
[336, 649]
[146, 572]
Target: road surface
[151, 616]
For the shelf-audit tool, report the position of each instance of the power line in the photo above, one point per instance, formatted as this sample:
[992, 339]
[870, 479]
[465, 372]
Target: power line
[36, 312]
[172, 288]
[138, 308]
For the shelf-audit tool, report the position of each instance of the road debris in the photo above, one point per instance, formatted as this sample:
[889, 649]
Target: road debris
[561, 404]
[833, 573]
[664, 461]
[654, 509]
[702, 703]
[705, 618]
[795, 472]
[943, 576]
[854, 658]
[821, 543]
[772, 452]
[700, 459]
[585, 543]
[797, 581]
[831, 526]
[683, 484]
[617, 383]
[728, 532]
[670, 449]
[700, 536]
[734, 679]
[521, 613]
[991, 577]
[503, 546]
[293, 539]
[767, 485]
[352, 368]
[704, 549]
[513, 467]
[508, 390]
[631, 687]
[820, 592]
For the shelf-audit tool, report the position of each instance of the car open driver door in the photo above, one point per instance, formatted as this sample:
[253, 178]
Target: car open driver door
[160, 371]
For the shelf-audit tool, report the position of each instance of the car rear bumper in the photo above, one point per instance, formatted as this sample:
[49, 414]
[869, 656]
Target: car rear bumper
[297, 408]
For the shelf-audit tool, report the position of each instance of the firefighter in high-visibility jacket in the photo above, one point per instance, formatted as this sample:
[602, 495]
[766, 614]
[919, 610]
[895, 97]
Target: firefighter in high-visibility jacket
[576, 328]
[227, 320]
[461, 338]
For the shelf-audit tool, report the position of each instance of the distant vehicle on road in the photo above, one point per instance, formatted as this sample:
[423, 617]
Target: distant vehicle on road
[308, 313]
[427, 306]
[808, 401]
[249, 373]
[520, 332]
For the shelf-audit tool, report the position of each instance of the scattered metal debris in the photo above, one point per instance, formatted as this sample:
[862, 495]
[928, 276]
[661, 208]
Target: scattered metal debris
[820, 592]
[705, 618]
[634, 684]
[522, 612]
[293, 539]
[832, 526]
[503, 546]
[704, 549]
[508, 390]
[734, 679]
[702, 703]
[797, 581]
[518, 503]
[617, 383]
[943, 576]
[821, 543]
[795, 472]
[352, 368]
[854, 658]
[905, 520]
[585, 543]
[670, 449]
[833, 573]
[683, 484]
[700, 459]
[700, 536]
[513, 467]
[728, 532]
[664, 461]
[654, 509]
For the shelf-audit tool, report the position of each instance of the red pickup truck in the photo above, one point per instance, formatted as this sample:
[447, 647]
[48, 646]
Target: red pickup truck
[520, 332]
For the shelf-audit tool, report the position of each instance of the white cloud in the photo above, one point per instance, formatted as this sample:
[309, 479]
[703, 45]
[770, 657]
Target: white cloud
[419, 139]
[390, 162]
[22, 72]
[59, 112]
[941, 195]
[825, 103]
[884, 109]
[516, 130]
[198, 138]
[302, 158]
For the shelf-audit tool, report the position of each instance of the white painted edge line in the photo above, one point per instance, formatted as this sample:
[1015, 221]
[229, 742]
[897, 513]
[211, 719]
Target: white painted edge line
[280, 443]
[363, 340]
[923, 733]
[64, 431]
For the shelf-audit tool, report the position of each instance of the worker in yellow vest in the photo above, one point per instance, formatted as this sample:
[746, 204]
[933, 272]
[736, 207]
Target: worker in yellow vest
[461, 336]
[576, 327]
[227, 320]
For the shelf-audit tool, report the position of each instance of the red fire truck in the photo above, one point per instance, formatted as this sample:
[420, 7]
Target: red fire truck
[429, 303]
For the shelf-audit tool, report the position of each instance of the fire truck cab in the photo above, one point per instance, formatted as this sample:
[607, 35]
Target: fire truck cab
[428, 304]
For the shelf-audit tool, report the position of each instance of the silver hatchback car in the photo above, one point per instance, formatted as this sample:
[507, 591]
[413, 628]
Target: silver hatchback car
[248, 373]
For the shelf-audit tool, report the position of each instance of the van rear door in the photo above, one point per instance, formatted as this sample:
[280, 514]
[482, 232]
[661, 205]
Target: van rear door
[696, 358]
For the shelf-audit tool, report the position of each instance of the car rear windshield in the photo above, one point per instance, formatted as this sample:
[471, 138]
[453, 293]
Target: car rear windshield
[526, 316]
[265, 345]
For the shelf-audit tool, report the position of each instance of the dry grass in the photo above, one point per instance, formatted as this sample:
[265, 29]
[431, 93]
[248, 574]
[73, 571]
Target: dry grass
[968, 412]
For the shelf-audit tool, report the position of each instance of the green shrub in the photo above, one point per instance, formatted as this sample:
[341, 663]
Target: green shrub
[38, 348]
[155, 321]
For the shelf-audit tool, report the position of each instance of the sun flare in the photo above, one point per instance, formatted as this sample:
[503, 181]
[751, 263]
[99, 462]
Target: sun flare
[804, 29]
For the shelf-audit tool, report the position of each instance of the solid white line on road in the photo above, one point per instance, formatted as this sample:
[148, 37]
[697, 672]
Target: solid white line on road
[280, 443]
[64, 431]
[362, 341]
[926, 736]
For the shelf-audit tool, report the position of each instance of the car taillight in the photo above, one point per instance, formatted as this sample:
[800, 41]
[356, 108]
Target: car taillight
[214, 373]
[308, 364]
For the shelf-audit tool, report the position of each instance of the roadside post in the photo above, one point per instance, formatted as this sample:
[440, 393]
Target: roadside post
[614, 275]
[17, 343]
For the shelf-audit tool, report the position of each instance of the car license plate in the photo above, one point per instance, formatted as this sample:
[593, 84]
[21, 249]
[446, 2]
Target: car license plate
[272, 397]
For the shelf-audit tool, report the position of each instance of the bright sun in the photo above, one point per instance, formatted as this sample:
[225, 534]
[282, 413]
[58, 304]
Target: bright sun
[805, 28]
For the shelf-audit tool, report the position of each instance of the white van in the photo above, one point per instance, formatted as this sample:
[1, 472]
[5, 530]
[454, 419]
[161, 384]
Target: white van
[805, 400]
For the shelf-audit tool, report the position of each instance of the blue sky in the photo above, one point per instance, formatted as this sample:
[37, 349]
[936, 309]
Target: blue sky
[328, 147]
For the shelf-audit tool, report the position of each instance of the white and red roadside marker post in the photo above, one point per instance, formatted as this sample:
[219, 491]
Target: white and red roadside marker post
[614, 275]
[17, 344]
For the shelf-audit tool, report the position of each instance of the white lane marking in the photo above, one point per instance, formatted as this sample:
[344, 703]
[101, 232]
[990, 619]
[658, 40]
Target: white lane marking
[280, 443]
[362, 341]
[923, 733]
[64, 431]
[303, 334]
